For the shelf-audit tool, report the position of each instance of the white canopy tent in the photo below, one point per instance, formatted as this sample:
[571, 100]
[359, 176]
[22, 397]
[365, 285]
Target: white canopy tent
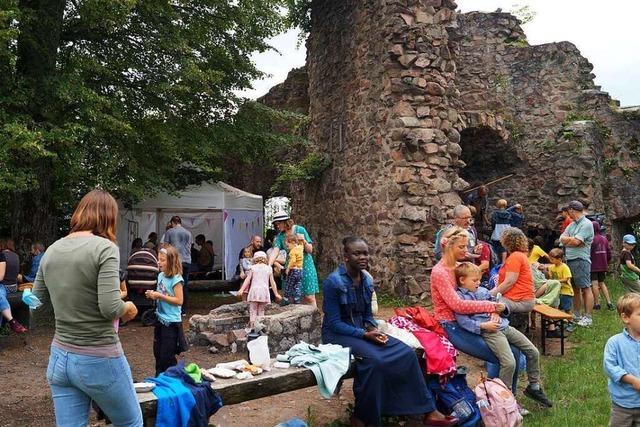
[224, 214]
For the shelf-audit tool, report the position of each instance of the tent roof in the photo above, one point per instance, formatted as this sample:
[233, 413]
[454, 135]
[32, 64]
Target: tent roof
[205, 196]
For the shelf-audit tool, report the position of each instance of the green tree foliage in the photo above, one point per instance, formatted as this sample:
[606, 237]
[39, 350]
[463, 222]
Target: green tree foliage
[129, 95]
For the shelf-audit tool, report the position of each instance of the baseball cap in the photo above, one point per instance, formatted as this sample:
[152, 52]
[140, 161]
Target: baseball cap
[629, 239]
[575, 205]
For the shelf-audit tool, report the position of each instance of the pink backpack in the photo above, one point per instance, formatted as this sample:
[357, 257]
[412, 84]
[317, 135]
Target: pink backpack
[497, 405]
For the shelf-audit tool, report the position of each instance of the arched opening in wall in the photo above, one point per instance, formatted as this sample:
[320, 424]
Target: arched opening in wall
[490, 160]
[487, 155]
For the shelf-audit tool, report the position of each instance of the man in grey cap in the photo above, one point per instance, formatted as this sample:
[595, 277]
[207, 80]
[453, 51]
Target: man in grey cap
[577, 240]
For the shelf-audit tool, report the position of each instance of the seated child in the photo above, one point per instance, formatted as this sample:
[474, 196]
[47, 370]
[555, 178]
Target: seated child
[622, 365]
[245, 262]
[293, 287]
[497, 333]
[560, 271]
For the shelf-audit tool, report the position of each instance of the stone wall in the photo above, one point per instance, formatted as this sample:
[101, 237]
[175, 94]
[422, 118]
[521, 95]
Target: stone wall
[223, 329]
[411, 102]
[380, 86]
[290, 95]
[568, 139]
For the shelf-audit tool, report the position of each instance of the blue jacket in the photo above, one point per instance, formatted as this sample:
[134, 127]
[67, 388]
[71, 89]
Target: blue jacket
[471, 322]
[207, 401]
[517, 219]
[33, 270]
[341, 314]
[621, 358]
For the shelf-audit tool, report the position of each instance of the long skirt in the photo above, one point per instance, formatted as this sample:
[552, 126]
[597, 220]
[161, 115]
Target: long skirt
[388, 379]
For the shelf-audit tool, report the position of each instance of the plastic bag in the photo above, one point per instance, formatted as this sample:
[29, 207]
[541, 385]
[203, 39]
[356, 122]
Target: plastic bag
[259, 352]
[30, 299]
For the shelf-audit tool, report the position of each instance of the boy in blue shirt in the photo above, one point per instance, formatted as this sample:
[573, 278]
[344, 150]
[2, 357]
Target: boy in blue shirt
[497, 333]
[622, 365]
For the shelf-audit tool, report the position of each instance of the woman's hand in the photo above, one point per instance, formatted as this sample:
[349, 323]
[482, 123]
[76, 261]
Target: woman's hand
[489, 326]
[130, 311]
[376, 337]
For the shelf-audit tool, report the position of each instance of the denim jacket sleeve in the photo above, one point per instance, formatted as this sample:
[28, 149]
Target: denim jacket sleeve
[368, 292]
[334, 294]
[466, 321]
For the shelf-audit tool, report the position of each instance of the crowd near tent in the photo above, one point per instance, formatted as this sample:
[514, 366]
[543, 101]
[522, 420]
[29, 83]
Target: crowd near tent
[226, 215]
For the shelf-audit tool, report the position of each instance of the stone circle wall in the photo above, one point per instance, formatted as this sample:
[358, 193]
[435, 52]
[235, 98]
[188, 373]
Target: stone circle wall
[223, 329]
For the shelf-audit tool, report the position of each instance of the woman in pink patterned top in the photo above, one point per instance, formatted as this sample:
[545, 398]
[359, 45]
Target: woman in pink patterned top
[446, 302]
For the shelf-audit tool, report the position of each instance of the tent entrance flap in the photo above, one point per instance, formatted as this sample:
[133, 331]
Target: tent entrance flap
[239, 227]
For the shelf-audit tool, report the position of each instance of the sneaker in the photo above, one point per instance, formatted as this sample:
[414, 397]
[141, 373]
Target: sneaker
[523, 411]
[570, 327]
[596, 306]
[610, 306]
[585, 322]
[17, 327]
[577, 317]
[537, 395]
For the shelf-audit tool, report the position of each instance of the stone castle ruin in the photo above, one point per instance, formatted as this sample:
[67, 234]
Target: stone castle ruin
[414, 103]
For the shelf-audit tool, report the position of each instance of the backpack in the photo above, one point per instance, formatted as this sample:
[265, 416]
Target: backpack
[456, 398]
[142, 270]
[497, 405]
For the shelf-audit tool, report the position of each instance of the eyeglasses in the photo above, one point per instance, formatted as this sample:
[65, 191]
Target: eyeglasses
[464, 217]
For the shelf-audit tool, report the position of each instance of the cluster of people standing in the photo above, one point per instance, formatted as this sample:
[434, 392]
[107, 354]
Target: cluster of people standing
[288, 258]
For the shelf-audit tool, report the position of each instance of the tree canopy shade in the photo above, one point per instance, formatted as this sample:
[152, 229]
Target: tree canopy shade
[128, 95]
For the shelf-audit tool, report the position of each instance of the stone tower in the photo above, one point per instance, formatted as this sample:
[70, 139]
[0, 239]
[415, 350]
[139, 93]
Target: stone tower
[381, 89]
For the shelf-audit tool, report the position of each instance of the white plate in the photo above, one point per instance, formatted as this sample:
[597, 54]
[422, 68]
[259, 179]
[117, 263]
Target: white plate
[143, 387]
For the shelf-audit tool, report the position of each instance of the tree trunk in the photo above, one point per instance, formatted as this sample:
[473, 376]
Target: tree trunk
[34, 211]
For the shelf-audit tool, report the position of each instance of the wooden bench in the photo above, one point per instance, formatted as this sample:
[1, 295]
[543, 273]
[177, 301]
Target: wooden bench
[235, 391]
[551, 316]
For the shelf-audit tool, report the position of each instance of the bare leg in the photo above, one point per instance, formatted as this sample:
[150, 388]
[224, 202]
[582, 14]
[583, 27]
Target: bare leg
[310, 300]
[587, 297]
[596, 291]
[605, 291]
[577, 300]
[6, 313]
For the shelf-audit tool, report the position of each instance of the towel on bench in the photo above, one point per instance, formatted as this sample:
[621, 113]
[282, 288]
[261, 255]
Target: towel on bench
[328, 362]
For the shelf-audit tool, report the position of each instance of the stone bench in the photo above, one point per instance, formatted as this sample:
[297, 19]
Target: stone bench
[551, 316]
[235, 391]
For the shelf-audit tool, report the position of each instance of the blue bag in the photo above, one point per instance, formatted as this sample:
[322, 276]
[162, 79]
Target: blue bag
[456, 398]
[30, 299]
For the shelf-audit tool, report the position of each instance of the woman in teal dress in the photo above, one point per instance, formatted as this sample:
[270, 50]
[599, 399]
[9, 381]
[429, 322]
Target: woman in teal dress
[309, 275]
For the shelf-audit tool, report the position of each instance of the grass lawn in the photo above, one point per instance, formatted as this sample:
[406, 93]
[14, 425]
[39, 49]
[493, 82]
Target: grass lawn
[576, 382]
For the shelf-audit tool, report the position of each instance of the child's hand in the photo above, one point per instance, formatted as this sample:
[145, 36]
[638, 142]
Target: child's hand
[278, 297]
[636, 384]
[500, 307]
[489, 326]
[152, 295]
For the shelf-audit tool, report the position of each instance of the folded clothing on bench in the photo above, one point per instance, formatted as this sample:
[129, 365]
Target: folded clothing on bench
[182, 401]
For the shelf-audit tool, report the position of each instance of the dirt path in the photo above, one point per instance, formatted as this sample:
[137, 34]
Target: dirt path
[26, 399]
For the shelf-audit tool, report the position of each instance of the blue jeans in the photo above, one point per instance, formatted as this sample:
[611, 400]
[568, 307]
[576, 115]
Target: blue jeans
[4, 302]
[76, 380]
[473, 345]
